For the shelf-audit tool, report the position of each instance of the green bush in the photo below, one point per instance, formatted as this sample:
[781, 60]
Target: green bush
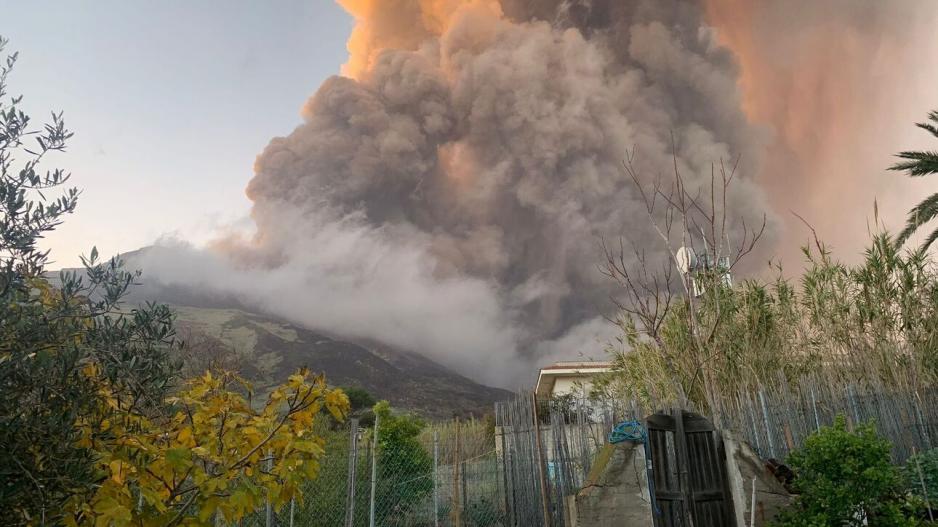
[359, 398]
[927, 463]
[405, 468]
[845, 478]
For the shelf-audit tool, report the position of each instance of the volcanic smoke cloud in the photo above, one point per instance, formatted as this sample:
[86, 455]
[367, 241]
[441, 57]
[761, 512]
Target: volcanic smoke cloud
[448, 193]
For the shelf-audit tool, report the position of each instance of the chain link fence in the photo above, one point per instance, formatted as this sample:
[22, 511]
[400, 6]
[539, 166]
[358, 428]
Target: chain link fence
[447, 476]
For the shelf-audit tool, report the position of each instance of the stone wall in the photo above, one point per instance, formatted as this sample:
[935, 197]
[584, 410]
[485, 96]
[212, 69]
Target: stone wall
[616, 490]
[744, 468]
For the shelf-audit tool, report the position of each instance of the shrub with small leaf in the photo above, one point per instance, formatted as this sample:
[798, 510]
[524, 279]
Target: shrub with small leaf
[406, 466]
[845, 478]
[921, 470]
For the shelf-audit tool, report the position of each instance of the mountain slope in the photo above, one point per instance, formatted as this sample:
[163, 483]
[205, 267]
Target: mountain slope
[269, 350]
[266, 350]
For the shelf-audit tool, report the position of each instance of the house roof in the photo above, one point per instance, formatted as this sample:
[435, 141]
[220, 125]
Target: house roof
[549, 374]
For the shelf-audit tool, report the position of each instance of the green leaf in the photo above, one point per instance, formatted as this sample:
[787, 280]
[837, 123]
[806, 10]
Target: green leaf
[179, 458]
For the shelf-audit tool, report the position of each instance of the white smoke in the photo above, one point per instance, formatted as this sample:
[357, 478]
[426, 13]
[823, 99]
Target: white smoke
[343, 276]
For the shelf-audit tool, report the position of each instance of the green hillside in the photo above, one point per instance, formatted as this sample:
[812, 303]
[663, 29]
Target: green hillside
[267, 350]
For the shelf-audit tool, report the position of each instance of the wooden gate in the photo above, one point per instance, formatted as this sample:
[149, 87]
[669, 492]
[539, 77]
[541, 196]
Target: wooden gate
[689, 472]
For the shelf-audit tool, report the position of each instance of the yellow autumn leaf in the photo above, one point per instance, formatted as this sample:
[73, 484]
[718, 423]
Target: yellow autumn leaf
[185, 437]
[295, 380]
[119, 471]
[171, 458]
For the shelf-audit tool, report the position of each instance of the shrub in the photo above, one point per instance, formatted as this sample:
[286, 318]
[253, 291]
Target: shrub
[213, 456]
[406, 468]
[845, 478]
[922, 468]
[360, 399]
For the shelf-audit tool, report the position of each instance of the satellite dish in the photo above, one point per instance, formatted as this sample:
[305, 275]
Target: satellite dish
[686, 259]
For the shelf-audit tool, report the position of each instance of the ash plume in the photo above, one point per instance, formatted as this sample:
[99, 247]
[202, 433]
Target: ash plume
[448, 192]
[494, 134]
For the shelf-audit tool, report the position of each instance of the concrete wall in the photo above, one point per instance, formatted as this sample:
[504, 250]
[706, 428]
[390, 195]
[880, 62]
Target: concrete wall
[616, 490]
[745, 468]
[565, 385]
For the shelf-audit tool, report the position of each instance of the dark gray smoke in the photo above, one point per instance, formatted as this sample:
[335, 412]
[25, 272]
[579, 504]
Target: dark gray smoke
[450, 192]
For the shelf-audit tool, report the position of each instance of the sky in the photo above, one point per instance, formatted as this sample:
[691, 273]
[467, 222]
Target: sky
[170, 103]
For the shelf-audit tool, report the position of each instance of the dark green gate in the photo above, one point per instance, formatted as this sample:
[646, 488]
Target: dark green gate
[689, 471]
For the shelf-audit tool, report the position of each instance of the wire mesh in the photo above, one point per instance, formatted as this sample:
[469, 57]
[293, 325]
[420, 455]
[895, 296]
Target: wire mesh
[448, 476]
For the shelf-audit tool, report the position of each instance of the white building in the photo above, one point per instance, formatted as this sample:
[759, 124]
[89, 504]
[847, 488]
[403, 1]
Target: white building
[566, 377]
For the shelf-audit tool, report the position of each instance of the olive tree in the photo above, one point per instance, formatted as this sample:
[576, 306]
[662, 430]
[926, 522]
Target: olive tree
[52, 328]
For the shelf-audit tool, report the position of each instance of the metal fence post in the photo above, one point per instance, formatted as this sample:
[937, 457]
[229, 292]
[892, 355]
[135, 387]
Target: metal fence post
[752, 506]
[352, 469]
[505, 467]
[436, 479]
[464, 502]
[269, 517]
[374, 471]
[455, 512]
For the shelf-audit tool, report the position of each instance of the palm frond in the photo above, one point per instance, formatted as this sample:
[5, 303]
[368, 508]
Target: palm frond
[931, 128]
[918, 216]
[931, 239]
[928, 127]
[920, 164]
